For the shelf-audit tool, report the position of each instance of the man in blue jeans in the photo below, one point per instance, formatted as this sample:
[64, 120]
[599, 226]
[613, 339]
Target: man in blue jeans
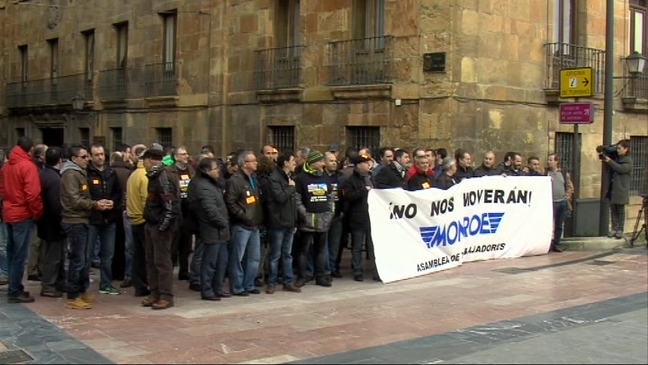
[76, 207]
[242, 195]
[22, 205]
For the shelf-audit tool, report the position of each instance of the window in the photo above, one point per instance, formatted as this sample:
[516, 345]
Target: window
[117, 139]
[165, 136]
[638, 27]
[564, 22]
[84, 136]
[122, 44]
[89, 37]
[282, 138]
[361, 137]
[287, 23]
[563, 146]
[24, 62]
[369, 18]
[54, 57]
[169, 24]
[20, 132]
[639, 154]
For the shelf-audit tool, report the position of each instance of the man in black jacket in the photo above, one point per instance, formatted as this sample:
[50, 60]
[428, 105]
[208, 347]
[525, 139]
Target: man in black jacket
[393, 175]
[487, 167]
[356, 210]
[161, 213]
[279, 200]
[242, 197]
[207, 205]
[51, 233]
[103, 184]
[464, 168]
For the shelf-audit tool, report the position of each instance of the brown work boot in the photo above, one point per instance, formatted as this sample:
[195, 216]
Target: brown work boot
[87, 297]
[148, 301]
[77, 303]
[292, 288]
[162, 304]
[270, 289]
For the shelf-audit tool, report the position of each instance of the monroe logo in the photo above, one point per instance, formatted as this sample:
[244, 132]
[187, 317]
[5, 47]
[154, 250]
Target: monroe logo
[453, 232]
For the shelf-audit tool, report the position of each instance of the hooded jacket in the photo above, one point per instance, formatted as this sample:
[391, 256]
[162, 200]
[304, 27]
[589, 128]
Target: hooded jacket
[21, 188]
[207, 206]
[76, 204]
[314, 200]
[163, 202]
[49, 226]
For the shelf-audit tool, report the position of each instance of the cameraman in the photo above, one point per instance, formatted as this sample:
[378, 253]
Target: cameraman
[618, 187]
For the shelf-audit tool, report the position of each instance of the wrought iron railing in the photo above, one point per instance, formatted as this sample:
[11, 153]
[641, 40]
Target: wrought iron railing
[362, 61]
[52, 91]
[119, 84]
[636, 87]
[161, 79]
[277, 68]
[563, 55]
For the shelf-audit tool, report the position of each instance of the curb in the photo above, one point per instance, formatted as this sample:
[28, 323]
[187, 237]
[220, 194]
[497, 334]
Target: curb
[599, 243]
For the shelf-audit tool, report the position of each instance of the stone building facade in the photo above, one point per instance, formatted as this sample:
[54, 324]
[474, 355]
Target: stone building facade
[474, 74]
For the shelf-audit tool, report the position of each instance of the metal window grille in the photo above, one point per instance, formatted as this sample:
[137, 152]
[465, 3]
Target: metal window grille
[361, 137]
[282, 137]
[563, 147]
[84, 136]
[639, 154]
[117, 137]
[165, 136]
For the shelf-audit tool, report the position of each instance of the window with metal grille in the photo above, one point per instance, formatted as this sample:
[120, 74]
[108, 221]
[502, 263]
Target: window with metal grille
[282, 137]
[639, 154]
[165, 136]
[361, 137]
[117, 139]
[563, 147]
[84, 136]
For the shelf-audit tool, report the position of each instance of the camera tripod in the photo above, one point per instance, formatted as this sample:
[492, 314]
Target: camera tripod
[643, 214]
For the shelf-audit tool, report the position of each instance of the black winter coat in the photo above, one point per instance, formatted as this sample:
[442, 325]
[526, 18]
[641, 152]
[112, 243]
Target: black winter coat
[390, 177]
[105, 185]
[420, 181]
[243, 200]
[278, 200]
[163, 202]
[49, 226]
[207, 206]
[356, 208]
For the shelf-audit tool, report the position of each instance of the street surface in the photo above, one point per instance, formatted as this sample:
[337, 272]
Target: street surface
[571, 307]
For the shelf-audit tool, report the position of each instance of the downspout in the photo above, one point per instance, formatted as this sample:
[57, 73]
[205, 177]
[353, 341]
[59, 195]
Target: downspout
[225, 27]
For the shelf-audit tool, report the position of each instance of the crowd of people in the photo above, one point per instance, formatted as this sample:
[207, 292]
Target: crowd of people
[227, 224]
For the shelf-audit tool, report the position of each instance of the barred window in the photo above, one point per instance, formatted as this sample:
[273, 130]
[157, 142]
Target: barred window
[84, 136]
[564, 143]
[639, 154]
[360, 137]
[282, 137]
[165, 136]
[117, 137]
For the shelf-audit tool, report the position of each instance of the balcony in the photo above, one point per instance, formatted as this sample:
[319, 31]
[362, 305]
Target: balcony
[48, 92]
[161, 79]
[277, 72]
[635, 93]
[561, 56]
[119, 84]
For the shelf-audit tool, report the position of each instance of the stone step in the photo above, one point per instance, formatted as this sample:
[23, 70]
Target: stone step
[600, 243]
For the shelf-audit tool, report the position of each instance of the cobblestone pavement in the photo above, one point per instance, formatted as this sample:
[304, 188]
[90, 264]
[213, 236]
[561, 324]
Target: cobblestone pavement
[521, 310]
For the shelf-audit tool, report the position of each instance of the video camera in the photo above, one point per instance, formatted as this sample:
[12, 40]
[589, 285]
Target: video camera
[609, 151]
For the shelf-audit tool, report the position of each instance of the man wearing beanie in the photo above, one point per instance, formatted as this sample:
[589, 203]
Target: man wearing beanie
[315, 212]
[447, 179]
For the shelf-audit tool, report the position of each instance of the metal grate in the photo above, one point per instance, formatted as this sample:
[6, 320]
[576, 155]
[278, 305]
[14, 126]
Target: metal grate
[165, 136]
[161, 79]
[636, 87]
[52, 91]
[362, 61]
[563, 147]
[361, 137]
[639, 154]
[120, 83]
[84, 136]
[282, 137]
[117, 137]
[278, 67]
[563, 55]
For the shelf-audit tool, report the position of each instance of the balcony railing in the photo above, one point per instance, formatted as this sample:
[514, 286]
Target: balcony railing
[636, 87]
[161, 79]
[120, 83]
[362, 61]
[564, 55]
[53, 91]
[278, 68]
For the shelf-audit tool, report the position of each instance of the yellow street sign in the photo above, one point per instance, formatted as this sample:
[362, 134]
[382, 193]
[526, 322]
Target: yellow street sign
[576, 82]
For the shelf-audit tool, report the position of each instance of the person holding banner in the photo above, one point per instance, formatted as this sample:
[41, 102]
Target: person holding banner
[423, 176]
[447, 178]
[356, 209]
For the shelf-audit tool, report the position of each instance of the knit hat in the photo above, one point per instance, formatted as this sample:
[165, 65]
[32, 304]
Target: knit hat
[448, 162]
[314, 156]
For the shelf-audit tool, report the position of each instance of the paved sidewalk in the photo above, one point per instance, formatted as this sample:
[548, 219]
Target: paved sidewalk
[350, 316]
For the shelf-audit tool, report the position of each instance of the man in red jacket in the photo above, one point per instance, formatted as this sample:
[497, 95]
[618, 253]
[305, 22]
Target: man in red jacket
[22, 205]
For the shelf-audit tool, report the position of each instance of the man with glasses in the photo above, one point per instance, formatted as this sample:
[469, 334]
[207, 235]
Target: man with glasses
[242, 195]
[76, 207]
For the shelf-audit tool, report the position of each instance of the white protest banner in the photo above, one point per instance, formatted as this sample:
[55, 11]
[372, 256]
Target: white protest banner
[420, 232]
